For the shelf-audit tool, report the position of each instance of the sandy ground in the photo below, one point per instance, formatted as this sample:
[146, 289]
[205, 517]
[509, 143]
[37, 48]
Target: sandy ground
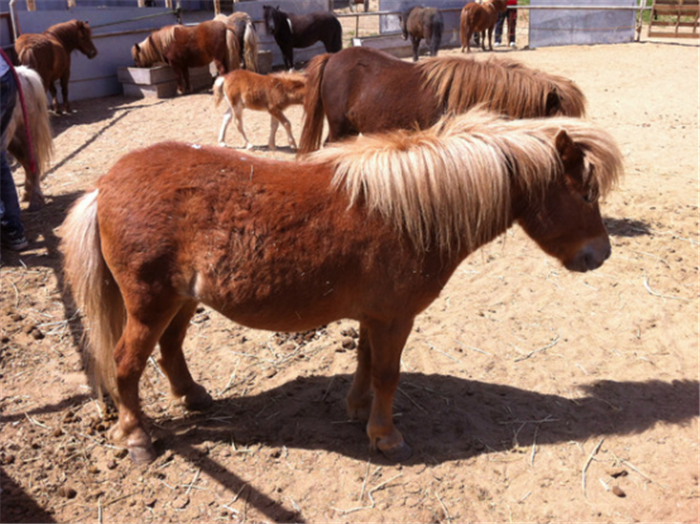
[528, 393]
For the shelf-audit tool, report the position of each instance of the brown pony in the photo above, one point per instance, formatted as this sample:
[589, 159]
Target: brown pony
[30, 140]
[182, 47]
[479, 18]
[272, 93]
[49, 53]
[247, 36]
[362, 90]
[369, 230]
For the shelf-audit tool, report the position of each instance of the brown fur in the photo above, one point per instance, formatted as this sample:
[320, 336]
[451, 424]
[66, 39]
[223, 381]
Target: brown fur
[370, 230]
[479, 18]
[360, 90]
[182, 47]
[49, 53]
[272, 93]
[40, 135]
[423, 23]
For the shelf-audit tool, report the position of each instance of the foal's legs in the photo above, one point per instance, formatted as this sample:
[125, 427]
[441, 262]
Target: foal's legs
[238, 112]
[182, 386]
[382, 367]
[359, 398]
[277, 118]
[224, 125]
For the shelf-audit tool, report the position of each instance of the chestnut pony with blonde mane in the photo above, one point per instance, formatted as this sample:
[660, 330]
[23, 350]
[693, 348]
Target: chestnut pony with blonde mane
[369, 230]
[182, 47]
[272, 93]
[49, 53]
[247, 36]
[361, 90]
[479, 18]
[30, 141]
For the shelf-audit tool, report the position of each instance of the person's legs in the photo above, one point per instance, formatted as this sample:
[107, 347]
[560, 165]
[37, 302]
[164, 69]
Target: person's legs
[512, 19]
[10, 220]
[498, 29]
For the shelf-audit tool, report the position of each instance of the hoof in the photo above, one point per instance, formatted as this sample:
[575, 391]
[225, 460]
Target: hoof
[398, 453]
[142, 454]
[197, 400]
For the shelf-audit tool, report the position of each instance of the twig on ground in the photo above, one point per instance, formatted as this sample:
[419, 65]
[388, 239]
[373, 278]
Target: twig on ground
[588, 463]
[553, 343]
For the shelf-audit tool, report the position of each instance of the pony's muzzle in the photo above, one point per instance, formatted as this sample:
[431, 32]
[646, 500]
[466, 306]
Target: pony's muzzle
[591, 256]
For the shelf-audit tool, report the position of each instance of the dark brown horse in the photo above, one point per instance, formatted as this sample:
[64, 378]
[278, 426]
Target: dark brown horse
[479, 18]
[247, 36]
[182, 47]
[29, 137]
[49, 53]
[300, 31]
[360, 90]
[423, 23]
[369, 230]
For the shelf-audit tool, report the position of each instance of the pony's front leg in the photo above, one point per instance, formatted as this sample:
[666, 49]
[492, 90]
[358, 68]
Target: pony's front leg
[387, 341]
[491, 38]
[483, 40]
[359, 399]
[416, 47]
[224, 125]
[278, 117]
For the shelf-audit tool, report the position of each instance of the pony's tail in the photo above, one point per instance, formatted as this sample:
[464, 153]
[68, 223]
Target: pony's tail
[250, 47]
[218, 90]
[95, 291]
[312, 128]
[38, 116]
[233, 60]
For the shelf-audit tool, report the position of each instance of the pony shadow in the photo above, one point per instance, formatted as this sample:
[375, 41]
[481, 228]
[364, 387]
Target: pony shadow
[444, 418]
[63, 405]
[17, 505]
[627, 227]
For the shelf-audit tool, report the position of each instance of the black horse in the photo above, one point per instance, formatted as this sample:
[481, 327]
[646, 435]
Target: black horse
[292, 31]
[423, 22]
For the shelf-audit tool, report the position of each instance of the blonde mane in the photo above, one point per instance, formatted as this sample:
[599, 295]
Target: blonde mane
[449, 186]
[507, 86]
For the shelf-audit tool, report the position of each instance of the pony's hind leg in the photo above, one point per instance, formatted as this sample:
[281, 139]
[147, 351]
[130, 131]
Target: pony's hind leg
[131, 356]
[238, 112]
[64, 92]
[182, 386]
[224, 125]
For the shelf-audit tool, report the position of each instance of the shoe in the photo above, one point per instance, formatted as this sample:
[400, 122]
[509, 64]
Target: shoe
[496, 44]
[512, 44]
[14, 240]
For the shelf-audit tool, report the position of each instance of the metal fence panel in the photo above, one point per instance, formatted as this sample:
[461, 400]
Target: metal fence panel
[571, 27]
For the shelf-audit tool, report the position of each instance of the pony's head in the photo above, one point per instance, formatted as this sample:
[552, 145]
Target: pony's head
[271, 15]
[85, 45]
[565, 220]
[146, 53]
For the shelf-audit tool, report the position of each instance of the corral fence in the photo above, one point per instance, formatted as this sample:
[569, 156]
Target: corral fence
[118, 24]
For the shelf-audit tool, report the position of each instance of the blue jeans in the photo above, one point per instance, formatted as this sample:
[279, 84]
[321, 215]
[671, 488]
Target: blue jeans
[9, 203]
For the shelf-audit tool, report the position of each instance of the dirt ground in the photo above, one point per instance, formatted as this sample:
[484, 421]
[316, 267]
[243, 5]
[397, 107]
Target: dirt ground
[528, 393]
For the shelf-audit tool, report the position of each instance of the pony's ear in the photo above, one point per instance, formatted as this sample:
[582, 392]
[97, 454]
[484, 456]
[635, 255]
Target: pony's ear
[553, 103]
[569, 152]
[137, 48]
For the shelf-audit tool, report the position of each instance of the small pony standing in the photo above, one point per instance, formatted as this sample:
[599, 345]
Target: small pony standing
[272, 93]
[369, 230]
[49, 53]
[300, 31]
[423, 22]
[247, 36]
[30, 141]
[182, 47]
[479, 18]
